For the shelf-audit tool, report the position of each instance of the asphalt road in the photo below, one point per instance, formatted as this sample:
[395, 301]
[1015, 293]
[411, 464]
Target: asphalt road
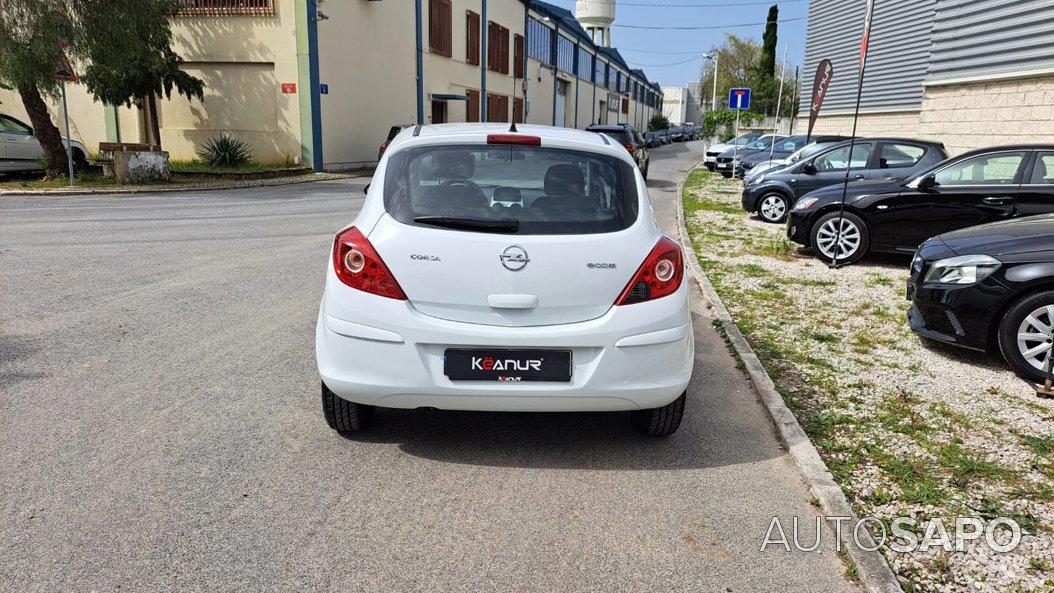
[160, 430]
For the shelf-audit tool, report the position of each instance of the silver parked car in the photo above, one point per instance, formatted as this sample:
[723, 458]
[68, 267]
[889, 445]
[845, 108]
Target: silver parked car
[20, 150]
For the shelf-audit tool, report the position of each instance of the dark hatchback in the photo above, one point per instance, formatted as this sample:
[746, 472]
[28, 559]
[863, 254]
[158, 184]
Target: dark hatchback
[974, 188]
[771, 195]
[628, 137]
[783, 149]
[989, 287]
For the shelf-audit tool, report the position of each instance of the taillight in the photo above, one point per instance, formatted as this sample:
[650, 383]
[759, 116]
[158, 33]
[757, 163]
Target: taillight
[384, 146]
[359, 266]
[660, 274]
[629, 147]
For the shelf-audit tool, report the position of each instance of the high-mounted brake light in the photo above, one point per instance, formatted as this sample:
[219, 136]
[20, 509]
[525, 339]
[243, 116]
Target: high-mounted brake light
[519, 139]
[358, 265]
[660, 274]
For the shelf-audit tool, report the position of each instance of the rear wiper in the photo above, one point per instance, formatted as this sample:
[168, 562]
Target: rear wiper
[505, 225]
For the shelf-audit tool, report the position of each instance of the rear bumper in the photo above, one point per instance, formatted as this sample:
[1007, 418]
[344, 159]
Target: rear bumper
[634, 357]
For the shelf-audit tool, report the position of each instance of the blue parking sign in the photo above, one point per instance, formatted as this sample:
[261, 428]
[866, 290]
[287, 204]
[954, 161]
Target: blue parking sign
[739, 98]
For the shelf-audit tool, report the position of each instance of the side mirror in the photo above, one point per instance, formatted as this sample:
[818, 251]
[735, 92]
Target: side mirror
[927, 183]
[808, 168]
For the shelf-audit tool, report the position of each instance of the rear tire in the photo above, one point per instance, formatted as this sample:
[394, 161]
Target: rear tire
[855, 239]
[660, 422]
[343, 416]
[1014, 323]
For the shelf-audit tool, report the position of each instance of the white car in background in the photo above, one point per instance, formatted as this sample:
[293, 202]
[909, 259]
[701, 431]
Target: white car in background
[20, 150]
[712, 151]
[501, 270]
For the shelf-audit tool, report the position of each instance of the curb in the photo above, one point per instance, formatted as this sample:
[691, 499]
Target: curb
[873, 570]
[274, 181]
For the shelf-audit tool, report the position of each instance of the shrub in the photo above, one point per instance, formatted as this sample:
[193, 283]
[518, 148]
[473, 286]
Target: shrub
[225, 151]
[722, 123]
[658, 122]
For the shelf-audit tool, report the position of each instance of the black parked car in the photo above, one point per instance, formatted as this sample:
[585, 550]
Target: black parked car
[783, 149]
[625, 135]
[651, 140]
[728, 161]
[771, 195]
[981, 186]
[991, 287]
[392, 133]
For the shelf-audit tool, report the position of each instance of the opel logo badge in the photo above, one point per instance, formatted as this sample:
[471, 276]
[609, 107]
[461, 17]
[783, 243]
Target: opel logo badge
[514, 258]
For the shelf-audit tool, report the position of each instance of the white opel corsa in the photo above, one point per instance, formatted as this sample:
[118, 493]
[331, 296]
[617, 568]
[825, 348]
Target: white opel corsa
[505, 270]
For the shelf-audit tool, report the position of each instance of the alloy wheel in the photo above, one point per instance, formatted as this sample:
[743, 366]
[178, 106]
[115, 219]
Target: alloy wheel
[1034, 336]
[773, 208]
[848, 242]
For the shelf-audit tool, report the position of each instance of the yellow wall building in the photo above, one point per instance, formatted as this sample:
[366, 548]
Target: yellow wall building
[294, 86]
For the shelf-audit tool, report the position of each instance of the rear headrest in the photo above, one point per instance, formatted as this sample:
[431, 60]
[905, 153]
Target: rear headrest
[454, 165]
[564, 181]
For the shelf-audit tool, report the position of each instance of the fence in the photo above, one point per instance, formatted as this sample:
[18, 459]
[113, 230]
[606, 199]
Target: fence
[225, 7]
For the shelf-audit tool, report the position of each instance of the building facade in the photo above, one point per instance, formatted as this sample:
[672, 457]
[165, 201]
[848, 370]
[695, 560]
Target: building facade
[324, 89]
[968, 73]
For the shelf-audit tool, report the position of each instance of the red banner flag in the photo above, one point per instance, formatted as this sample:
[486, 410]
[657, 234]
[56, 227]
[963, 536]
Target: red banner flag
[820, 84]
[867, 31]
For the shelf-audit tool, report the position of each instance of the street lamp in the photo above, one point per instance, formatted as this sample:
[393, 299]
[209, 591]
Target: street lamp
[713, 99]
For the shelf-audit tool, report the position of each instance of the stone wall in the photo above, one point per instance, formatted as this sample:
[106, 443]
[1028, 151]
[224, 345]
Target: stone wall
[969, 116]
[894, 123]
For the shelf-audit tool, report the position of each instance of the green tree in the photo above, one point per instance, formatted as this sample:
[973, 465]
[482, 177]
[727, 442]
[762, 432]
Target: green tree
[123, 48]
[31, 36]
[658, 122]
[123, 28]
[739, 64]
[767, 61]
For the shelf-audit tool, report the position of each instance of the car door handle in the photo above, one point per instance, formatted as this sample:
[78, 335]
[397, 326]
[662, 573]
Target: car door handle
[882, 207]
[859, 176]
[998, 200]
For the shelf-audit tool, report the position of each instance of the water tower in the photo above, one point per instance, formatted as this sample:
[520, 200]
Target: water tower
[596, 17]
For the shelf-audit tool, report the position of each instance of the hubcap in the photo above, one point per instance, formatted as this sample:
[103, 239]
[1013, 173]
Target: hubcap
[773, 208]
[1034, 336]
[848, 242]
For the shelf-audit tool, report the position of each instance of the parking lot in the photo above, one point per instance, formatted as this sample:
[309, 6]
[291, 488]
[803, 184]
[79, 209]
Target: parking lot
[909, 427]
[162, 430]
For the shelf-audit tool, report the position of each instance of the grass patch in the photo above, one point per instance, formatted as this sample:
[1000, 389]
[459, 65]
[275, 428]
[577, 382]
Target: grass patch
[199, 166]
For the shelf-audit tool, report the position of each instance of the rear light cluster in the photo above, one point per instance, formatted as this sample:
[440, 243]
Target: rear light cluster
[629, 147]
[358, 265]
[660, 274]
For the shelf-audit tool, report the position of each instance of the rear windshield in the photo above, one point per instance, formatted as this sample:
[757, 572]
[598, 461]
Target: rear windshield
[545, 191]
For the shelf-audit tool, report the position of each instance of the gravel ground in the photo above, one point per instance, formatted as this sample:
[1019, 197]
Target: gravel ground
[908, 427]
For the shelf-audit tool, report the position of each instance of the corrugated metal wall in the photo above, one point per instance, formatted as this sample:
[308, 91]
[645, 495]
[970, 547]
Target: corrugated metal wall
[897, 61]
[986, 37]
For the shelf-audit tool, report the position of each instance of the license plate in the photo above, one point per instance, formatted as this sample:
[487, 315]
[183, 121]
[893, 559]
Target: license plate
[505, 365]
[722, 165]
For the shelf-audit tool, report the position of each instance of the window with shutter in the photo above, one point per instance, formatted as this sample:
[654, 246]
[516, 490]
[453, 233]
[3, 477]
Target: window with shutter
[519, 66]
[472, 38]
[472, 107]
[497, 48]
[440, 27]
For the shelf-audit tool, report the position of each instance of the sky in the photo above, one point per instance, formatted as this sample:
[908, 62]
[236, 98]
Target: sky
[642, 47]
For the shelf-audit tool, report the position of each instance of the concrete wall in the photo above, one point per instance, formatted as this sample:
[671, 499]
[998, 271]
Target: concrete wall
[244, 60]
[964, 116]
[674, 104]
[87, 120]
[366, 56]
[894, 123]
[969, 116]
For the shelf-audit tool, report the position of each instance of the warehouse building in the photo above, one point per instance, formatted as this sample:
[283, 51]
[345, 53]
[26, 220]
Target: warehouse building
[968, 73]
[324, 90]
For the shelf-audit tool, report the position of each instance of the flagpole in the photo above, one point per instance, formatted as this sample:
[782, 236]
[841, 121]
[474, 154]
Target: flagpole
[779, 103]
[852, 138]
